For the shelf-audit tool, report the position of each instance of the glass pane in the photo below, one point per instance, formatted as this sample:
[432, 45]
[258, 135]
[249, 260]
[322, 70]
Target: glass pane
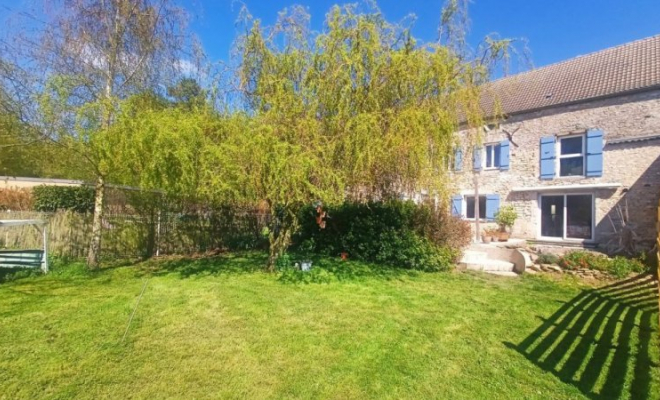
[552, 216]
[571, 145]
[482, 207]
[489, 156]
[469, 212]
[578, 216]
[497, 156]
[571, 166]
[470, 207]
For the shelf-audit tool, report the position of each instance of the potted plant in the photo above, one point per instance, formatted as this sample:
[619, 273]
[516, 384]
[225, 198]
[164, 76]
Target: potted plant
[505, 218]
[486, 236]
[306, 248]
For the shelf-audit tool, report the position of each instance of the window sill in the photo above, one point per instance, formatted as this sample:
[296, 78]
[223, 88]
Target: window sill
[560, 240]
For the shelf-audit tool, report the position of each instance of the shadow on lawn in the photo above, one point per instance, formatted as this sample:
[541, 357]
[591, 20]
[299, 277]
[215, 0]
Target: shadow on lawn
[216, 265]
[603, 341]
[326, 270]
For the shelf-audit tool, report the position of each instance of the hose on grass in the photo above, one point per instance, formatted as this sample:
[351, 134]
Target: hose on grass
[128, 325]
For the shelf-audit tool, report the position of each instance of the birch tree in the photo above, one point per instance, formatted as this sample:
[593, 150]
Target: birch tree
[88, 56]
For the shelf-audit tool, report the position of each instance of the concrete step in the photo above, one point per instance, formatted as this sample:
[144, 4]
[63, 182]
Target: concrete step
[503, 273]
[472, 256]
[487, 265]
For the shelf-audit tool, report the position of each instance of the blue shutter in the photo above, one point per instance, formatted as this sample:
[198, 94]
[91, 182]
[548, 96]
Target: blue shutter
[458, 159]
[476, 158]
[548, 157]
[594, 152]
[504, 155]
[492, 206]
[457, 206]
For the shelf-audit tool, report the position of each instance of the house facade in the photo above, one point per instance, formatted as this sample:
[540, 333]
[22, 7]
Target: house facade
[577, 151]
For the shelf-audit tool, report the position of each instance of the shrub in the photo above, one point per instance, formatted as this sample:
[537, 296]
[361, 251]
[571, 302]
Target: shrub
[53, 198]
[15, 199]
[580, 259]
[397, 233]
[547, 258]
[619, 266]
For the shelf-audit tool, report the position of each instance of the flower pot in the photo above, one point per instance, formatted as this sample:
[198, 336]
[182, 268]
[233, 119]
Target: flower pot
[504, 236]
[305, 265]
[486, 238]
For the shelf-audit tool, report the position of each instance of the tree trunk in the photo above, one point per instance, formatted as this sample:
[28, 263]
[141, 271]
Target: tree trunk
[97, 225]
[284, 223]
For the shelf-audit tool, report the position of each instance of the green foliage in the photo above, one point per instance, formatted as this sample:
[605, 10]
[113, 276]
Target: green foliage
[547, 258]
[57, 198]
[284, 262]
[394, 232]
[506, 216]
[619, 266]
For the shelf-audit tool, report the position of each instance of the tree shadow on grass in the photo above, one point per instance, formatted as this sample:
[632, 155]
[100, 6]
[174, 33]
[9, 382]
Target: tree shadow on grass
[604, 341]
[326, 270]
[186, 267]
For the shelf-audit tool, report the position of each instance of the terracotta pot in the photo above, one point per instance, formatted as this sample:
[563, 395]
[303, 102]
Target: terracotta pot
[486, 239]
[504, 236]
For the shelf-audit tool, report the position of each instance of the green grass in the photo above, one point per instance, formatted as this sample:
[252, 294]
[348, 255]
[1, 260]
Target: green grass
[220, 328]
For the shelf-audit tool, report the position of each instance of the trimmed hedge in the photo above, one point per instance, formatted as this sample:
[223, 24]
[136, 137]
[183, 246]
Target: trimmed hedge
[56, 198]
[398, 233]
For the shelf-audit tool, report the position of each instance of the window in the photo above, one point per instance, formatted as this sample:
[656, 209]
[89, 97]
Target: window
[470, 206]
[571, 156]
[567, 217]
[493, 155]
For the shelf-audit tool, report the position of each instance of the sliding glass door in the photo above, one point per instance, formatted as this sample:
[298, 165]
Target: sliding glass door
[567, 216]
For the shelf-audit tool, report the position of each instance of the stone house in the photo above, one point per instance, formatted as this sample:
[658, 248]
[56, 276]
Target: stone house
[576, 151]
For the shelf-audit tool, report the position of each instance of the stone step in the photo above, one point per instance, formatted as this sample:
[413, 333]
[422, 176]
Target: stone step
[472, 256]
[488, 265]
[502, 273]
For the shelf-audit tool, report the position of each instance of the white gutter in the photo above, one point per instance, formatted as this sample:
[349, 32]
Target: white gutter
[577, 186]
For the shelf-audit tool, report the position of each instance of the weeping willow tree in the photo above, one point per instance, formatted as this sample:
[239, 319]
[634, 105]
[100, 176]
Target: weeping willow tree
[361, 109]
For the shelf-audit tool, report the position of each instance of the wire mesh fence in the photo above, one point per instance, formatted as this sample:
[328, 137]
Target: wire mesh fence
[131, 235]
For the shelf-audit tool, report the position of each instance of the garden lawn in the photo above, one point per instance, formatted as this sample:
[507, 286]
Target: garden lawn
[220, 328]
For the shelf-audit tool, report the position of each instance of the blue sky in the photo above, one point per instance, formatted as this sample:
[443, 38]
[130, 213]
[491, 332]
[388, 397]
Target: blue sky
[556, 30]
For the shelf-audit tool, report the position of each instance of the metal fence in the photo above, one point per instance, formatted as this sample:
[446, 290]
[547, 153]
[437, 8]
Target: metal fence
[130, 235]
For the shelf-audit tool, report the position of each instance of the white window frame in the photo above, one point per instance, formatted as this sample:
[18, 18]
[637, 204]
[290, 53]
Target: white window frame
[493, 147]
[564, 238]
[560, 156]
[464, 207]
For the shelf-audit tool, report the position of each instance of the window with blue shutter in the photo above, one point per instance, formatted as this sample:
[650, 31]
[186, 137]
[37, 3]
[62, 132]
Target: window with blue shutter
[458, 159]
[547, 157]
[504, 155]
[457, 206]
[476, 158]
[594, 153]
[492, 206]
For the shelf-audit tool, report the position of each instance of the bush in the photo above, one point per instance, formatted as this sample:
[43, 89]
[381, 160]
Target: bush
[15, 199]
[53, 198]
[580, 259]
[619, 266]
[547, 258]
[397, 233]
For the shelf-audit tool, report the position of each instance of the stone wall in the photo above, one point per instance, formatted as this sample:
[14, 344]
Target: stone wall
[635, 165]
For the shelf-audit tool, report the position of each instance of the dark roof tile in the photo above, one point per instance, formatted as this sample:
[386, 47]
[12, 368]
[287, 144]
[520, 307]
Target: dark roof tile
[617, 70]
